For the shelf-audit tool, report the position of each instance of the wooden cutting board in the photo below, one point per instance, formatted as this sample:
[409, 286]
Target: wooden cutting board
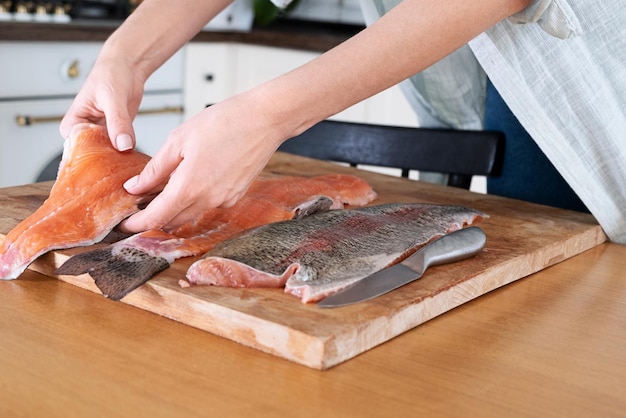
[522, 238]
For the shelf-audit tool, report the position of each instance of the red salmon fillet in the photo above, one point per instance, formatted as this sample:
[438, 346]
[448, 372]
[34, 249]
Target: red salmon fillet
[85, 203]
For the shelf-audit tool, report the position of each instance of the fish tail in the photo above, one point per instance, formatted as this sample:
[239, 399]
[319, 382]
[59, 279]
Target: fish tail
[84, 262]
[116, 273]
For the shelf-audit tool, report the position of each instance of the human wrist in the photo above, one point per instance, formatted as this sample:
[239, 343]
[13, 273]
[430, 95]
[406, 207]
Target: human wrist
[273, 114]
[286, 109]
[119, 54]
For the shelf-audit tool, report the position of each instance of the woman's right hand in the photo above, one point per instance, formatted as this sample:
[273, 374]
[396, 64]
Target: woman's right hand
[209, 161]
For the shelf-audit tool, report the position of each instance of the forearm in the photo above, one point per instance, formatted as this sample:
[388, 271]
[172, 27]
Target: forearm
[157, 29]
[408, 39]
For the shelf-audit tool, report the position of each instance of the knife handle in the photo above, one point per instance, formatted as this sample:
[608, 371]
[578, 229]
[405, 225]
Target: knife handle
[455, 246]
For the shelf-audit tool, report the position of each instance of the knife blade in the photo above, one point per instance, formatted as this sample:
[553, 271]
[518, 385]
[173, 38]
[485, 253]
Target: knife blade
[455, 246]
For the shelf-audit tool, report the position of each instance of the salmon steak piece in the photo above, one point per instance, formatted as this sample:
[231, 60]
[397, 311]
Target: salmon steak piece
[85, 203]
[125, 265]
[316, 256]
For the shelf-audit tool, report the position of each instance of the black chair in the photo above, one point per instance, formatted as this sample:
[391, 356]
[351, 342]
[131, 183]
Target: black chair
[459, 153]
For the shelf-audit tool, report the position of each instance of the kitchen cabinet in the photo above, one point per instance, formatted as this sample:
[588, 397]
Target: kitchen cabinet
[38, 81]
[216, 71]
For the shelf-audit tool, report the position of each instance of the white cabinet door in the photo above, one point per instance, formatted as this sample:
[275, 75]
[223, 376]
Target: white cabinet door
[216, 71]
[35, 69]
[209, 75]
[26, 150]
[257, 64]
[38, 69]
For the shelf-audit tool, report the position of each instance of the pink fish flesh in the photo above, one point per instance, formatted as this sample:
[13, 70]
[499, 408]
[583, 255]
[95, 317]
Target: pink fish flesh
[85, 203]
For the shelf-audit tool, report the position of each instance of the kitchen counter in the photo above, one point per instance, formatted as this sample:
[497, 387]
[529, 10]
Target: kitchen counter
[284, 33]
[549, 345]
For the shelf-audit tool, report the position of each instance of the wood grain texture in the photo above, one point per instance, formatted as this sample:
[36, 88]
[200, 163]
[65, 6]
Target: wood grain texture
[522, 238]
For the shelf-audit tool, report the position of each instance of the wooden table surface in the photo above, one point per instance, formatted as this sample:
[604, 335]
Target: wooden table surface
[551, 344]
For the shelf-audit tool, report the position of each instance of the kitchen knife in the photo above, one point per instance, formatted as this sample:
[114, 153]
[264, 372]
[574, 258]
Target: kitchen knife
[455, 246]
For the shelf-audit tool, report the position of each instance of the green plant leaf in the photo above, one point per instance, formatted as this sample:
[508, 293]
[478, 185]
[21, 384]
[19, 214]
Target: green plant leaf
[264, 12]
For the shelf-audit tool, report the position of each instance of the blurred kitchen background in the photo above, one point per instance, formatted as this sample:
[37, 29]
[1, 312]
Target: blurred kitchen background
[48, 47]
[336, 11]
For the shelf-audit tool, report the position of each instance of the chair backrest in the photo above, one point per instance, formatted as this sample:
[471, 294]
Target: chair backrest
[459, 153]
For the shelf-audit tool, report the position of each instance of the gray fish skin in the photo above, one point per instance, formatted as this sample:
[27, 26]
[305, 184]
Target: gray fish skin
[323, 253]
[116, 272]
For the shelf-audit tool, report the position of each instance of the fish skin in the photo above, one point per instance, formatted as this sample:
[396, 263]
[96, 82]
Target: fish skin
[269, 199]
[111, 267]
[85, 203]
[324, 253]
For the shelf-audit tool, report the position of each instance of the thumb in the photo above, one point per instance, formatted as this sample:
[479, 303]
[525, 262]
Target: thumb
[154, 175]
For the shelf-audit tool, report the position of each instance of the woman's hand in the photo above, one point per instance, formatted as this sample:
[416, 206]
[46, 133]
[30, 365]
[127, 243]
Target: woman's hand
[110, 97]
[209, 161]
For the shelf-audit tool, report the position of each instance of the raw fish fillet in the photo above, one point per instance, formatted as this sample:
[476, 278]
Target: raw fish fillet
[127, 264]
[319, 255]
[85, 203]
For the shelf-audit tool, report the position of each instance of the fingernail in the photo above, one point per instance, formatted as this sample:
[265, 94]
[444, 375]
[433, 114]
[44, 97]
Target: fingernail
[131, 183]
[124, 142]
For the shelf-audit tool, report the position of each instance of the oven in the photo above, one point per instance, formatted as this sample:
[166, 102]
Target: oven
[38, 81]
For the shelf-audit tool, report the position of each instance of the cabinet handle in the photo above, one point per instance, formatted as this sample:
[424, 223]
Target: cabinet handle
[26, 120]
[166, 109]
[73, 71]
